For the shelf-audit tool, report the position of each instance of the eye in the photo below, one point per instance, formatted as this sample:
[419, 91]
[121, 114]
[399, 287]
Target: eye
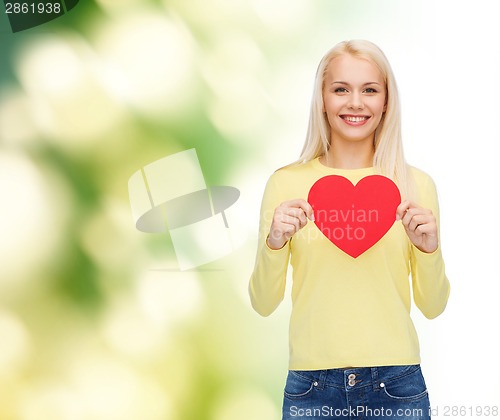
[370, 90]
[340, 90]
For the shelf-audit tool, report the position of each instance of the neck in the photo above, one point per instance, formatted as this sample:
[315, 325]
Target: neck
[349, 155]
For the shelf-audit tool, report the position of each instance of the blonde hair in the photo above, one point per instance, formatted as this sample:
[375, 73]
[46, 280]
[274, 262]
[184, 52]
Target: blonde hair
[388, 158]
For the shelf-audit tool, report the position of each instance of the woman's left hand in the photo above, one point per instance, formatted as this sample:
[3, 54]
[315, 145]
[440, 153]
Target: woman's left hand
[420, 225]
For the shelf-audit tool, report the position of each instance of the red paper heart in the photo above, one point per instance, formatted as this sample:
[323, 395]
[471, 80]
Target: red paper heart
[354, 217]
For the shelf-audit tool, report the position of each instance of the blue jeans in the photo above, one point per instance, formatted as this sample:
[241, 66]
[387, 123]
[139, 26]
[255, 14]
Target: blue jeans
[397, 392]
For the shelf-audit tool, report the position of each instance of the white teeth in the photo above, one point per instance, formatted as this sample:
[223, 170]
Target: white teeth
[354, 119]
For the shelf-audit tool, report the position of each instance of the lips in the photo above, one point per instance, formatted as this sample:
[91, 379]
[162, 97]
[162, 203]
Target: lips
[355, 119]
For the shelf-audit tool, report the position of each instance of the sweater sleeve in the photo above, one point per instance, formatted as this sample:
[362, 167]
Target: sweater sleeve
[268, 280]
[431, 287]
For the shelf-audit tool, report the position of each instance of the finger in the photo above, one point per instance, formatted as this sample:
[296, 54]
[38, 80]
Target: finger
[298, 213]
[419, 219]
[282, 230]
[290, 216]
[404, 207]
[427, 229]
[406, 218]
[413, 212]
[287, 221]
[305, 206]
[309, 211]
[401, 210]
[279, 236]
[289, 232]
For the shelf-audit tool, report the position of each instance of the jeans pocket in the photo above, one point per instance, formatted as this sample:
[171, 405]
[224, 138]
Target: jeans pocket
[298, 385]
[405, 397]
[406, 388]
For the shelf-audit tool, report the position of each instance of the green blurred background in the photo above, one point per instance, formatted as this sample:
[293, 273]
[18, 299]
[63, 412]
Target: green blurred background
[96, 319]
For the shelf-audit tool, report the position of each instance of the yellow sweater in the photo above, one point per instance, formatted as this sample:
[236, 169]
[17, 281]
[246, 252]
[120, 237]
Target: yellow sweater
[347, 311]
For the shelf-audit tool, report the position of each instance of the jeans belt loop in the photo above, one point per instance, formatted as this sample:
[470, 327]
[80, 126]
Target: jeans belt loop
[375, 380]
[322, 379]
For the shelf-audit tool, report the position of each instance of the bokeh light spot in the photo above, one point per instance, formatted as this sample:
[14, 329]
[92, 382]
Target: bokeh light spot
[62, 79]
[148, 60]
[15, 347]
[32, 219]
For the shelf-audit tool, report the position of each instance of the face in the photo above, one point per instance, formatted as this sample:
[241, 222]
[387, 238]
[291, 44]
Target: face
[354, 99]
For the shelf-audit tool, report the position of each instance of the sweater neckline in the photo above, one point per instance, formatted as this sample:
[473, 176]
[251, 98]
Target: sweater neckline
[339, 171]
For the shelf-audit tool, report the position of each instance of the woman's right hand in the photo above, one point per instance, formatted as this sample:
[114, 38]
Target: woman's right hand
[289, 217]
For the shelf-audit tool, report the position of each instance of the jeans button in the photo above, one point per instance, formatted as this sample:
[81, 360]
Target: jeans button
[351, 377]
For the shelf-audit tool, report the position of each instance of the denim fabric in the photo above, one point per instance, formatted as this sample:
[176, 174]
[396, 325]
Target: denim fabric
[397, 392]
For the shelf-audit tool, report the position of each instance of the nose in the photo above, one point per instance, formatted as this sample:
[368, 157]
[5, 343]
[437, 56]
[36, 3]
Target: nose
[356, 101]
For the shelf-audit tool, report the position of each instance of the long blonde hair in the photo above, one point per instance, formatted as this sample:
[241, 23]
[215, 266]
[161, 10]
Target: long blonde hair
[388, 158]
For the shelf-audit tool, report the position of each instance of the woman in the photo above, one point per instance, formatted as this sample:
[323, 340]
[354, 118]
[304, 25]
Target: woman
[354, 352]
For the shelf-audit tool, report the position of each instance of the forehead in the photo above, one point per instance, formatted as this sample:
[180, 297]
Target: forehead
[353, 70]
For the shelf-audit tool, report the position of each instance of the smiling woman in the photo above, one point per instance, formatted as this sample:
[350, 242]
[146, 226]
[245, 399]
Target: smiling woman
[361, 351]
[354, 101]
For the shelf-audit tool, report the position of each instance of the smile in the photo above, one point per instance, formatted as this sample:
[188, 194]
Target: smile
[355, 119]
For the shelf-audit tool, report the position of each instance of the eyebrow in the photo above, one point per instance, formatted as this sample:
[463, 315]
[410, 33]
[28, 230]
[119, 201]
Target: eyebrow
[345, 83]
